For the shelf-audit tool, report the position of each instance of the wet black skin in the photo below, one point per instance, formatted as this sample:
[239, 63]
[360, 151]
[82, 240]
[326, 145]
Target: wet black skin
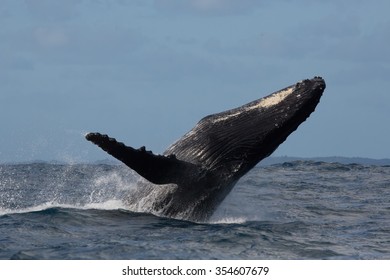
[200, 169]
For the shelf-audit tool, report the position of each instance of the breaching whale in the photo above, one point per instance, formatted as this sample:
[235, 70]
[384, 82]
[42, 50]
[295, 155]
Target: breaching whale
[193, 176]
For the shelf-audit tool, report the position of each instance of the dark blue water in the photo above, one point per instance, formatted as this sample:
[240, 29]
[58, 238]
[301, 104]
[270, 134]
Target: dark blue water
[300, 210]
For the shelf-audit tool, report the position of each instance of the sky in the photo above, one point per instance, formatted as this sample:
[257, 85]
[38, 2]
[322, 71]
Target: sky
[145, 71]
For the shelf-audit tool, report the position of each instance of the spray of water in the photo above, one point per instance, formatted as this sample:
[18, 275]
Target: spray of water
[39, 186]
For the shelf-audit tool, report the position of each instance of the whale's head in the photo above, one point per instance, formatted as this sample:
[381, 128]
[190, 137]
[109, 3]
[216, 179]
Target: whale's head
[234, 141]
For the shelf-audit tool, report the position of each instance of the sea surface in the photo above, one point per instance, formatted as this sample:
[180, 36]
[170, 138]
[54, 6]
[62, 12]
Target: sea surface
[298, 210]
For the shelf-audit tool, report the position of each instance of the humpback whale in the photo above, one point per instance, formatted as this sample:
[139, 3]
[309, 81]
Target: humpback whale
[194, 175]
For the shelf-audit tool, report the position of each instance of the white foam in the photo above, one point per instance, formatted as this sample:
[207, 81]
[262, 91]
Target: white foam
[113, 204]
[229, 220]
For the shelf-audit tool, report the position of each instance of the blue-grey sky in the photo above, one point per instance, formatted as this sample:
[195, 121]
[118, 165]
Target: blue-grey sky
[146, 71]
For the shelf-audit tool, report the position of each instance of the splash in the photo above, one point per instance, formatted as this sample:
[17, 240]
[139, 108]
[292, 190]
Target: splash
[229, 220]
[39, 186]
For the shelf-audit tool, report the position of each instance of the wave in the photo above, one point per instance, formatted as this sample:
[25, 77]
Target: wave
[114, 204]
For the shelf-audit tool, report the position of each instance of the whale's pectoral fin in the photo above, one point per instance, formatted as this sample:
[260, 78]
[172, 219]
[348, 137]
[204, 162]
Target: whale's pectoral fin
[157, 169]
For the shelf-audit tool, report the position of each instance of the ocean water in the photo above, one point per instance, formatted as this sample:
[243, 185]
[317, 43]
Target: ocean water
[298, 210]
